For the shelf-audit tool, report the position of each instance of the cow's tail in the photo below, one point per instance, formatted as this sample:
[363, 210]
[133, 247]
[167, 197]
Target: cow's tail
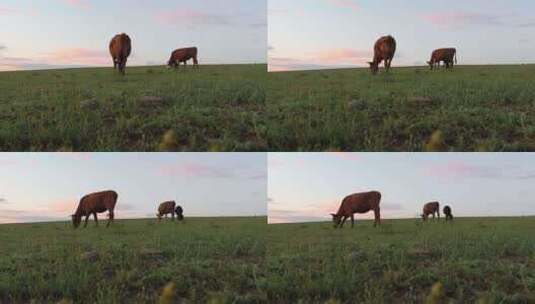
[455, 56]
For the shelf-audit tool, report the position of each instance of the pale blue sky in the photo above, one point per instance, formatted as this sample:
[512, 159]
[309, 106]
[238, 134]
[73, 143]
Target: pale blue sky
[61, 33]
[308, 186]
[311, 34]
[48, 186]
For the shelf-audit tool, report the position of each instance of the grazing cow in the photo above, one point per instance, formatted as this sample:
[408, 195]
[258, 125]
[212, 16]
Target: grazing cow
[179, 213]
[384, 50]
[431, 208]
[447, 212]
[94, 203]
[358, 203]
[183, 55]
[447, 55]
[120, 48]
[166, 208]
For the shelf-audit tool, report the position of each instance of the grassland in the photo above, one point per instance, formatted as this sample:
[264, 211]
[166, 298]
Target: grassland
[217, 108]
[472, 108]
[215, 260]
[490, 260]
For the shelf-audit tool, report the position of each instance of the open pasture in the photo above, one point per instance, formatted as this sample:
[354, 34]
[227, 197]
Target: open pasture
[468, 108]
[490, 260]
[200, 260]
[214, 108]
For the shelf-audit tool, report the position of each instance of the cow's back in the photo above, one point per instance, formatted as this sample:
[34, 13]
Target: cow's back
[431, 207]
[184, 54]
[362, 202]
[166, 207]
[99, 201]
[385, 47]
[120, 46]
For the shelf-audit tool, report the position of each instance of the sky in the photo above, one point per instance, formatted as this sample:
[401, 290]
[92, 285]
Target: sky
[37, 187]
[307, 187]
[41, 34]
[316, 34]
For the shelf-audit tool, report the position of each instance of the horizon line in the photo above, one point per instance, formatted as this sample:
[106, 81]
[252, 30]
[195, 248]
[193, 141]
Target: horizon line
[130, 66]
[334, 68]
[411, 218]
[136, 218]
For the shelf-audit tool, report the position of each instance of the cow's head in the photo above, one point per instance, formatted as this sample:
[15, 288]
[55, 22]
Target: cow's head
[424, 217]
[374, 67]
[336, 219]
[431, 64]
[171, 64]
[159, 216]
[76, 220]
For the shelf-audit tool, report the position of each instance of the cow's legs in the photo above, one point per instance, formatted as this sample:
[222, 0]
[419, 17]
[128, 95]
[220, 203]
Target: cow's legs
[114, 63]
[352, 220]
[96, 220]
[173, 216]
[438, 214]
[86, 218]
[195, 62]
[123, 65]
[110, 219]
[343, 221]
[377, 213]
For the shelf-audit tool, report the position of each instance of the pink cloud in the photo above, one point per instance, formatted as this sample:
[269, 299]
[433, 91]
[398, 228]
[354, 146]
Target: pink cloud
[188, 16]
[77, 3]
[78, 56]
[345, 4]
[8, 11]
[449, 20]
[64, 57]
[345, 155]
[191, 169]
[460, 169]
[328, 58]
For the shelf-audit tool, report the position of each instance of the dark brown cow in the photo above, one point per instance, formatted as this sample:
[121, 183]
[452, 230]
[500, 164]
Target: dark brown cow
[183, 55]
[431, 208]
[447, 212]
[94, 203]
[358, 203]
[120, 48]
[179, 213]
[384, 50]
[166, 208]
[447, 55]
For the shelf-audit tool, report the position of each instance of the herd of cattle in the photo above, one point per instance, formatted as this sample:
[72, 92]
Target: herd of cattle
[384, 51]
[369, 201]
[121, 47]
[103, 201]
[385, 48]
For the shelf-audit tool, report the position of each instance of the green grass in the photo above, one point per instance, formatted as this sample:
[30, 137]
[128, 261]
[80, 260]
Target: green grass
[487, 259]
[218, 108]
[207, 259]
[476, 108]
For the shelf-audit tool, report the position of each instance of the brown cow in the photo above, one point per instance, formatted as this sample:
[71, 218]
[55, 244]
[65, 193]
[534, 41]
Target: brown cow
[166, 208]
[448, 55]
[358, 203]
[384, 50]
[431, 208]
[447, 212]
[183, 55]
[94, 203]
[120, 48]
